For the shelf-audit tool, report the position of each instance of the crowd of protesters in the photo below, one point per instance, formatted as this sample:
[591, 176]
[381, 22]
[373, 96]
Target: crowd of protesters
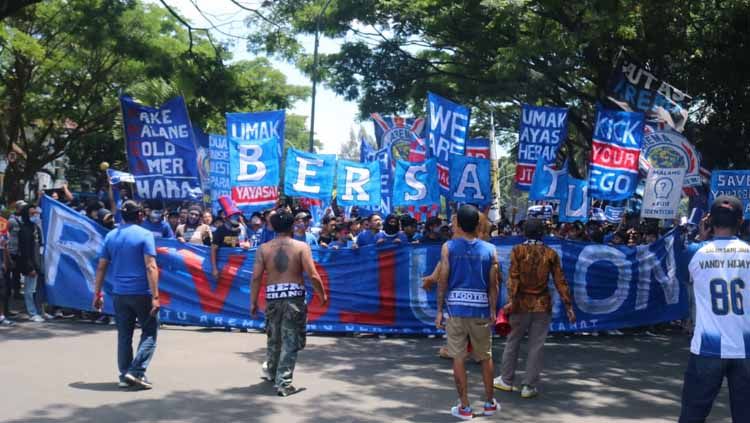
[190, 222]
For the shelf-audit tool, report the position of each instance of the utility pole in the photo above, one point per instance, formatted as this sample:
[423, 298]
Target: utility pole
[315, 74]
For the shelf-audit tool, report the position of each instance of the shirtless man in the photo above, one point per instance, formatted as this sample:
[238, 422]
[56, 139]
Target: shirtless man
[284, 260]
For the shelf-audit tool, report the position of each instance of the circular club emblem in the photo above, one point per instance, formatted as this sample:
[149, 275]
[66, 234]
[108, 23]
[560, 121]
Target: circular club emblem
[400, 150]
[666, 148]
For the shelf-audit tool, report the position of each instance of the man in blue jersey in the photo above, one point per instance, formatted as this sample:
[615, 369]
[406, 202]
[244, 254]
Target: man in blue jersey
[720, 272]
[467, 285]
[130, 252]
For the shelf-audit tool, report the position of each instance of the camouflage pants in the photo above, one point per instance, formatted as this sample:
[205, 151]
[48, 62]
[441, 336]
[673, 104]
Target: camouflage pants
[286, 322]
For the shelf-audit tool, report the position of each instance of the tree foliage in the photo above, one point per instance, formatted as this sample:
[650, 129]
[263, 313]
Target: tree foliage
[63, 64]
[498, 54]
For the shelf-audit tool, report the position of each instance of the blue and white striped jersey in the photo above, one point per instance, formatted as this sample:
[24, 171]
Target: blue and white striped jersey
[720, 271]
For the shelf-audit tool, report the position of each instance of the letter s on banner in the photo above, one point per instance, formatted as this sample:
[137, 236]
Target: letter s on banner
[414, 183]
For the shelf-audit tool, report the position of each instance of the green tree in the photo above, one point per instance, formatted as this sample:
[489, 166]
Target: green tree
[63, 65]
[498, 54]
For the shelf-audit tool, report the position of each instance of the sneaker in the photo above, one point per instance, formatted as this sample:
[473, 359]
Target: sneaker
[528, 391]
[500, 384]
[102, 320]
[463, 413]
[265, 374]
[37, 318]
[6, 322]
[124, 383]
[285, 391]
[381, 336]
[490, 408]
[140, 382]
[61, 315]
[48, 316]
[615, 332]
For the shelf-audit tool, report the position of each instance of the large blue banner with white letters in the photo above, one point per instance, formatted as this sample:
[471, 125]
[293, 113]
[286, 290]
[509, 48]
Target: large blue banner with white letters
[447, 130]
[383, 157]
[371, 289]
[470, 180]
[309, 175]
[615, 153]
[542, 131]
[218, 153]
[357, 184]
[415, 184]
[161, 150]
[253, 163]
[731, 182]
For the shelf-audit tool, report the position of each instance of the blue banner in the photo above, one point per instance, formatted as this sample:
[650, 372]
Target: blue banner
[309, 175]
[548, 183]
[731, 182]
[259, 127]
[448, 129]
[403, 137]
[614, 214]
[253, 163]
[542, 131]
[161, 150]
[218, 152]
[357, 184]
[611, 287]
[478, 147]
[470, 180]
[416, 184]
[116, 176]
[575, 204]
[615, 153]
[383, 157]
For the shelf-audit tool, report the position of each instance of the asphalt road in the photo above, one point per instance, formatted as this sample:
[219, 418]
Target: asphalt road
[66, 372]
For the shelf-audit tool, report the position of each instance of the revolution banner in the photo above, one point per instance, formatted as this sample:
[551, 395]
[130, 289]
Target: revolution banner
[615, 152]
[357, 184]
[309, 175]
[259, 127]
[541, 132]
[371, 289]
[415, 184]
[731, 182]
[548, 182]
[218, 154]
[161, 150]
[448, 129]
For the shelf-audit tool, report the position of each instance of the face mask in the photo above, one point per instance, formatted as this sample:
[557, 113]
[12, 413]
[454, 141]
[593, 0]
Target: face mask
[390, 229]
[193, 220]
[155, 216]
[36, 219]
[234, 221]
[436, 230]
[299, 227]
[109, 224]
[255, 221]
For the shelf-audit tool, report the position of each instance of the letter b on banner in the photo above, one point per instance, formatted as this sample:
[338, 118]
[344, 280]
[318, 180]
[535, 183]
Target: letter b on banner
[254, 163]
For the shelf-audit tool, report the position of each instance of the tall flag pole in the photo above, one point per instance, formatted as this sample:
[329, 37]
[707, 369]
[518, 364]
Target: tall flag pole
[494, 213]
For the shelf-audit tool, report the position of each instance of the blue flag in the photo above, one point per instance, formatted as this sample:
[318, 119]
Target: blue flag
[309, 175]
[575, 204]
[161, 150]
[478, 147]
[416, 184]
[357, 184]
[731, 182]
[548, 183]
[448, 129]
[542, 131]
[253, 163]
[615, 153]
[613, 214]
[470, 180]
[116, 176]
[382, 156]
[218, 152]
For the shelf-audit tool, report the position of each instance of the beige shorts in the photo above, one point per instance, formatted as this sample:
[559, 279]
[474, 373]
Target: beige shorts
[462, 329]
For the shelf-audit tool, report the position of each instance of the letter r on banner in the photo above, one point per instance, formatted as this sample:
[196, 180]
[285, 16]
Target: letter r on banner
[359, 184]
[356, 178]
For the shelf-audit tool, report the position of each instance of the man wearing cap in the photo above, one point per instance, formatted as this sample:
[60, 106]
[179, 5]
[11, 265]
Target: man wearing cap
[719, 268]
[230, 234]
[300, 230]
[130, 251]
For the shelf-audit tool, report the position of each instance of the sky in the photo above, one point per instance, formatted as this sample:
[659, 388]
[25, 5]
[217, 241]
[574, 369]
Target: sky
[334, 116]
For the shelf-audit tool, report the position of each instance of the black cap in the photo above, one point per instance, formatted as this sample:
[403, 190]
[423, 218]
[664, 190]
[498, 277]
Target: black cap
[724, 203]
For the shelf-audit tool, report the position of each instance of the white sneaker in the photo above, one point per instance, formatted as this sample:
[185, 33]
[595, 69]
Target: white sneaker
[265, 374]
[6, 322]
[490, 408]
[37, 318]
[48, 316]
[500, 384]
[528, 392]
[462, 413]
[615, 332]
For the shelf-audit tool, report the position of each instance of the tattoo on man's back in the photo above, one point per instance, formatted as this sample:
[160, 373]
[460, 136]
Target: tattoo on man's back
[281, 260]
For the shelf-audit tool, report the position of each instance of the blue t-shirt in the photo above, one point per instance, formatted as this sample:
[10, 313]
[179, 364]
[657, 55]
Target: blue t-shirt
[268, 235]
[255, 237]
[365, 238]
[308, 238]
[340, 244]
[125, 248]
[160, 230]
[388, 239]
[468, 282]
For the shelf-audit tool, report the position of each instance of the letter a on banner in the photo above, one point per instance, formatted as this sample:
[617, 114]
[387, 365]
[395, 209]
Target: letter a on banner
[470, 180]
[358, 184]
[309, 175]
[416, 184]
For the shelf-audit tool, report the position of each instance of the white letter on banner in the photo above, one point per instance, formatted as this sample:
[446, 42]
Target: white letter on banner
[470, 171]
[587, 257]
[583, 208]
[83, 254]
[363, 177]
[303, 172]
[412, 182]
[249, 155]
[649, 264]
